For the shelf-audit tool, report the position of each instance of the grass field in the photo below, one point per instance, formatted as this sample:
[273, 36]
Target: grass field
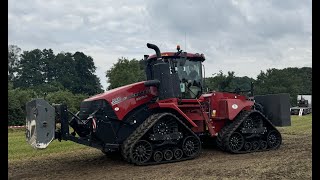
[19, 149]
[68, 160]
[299, 125]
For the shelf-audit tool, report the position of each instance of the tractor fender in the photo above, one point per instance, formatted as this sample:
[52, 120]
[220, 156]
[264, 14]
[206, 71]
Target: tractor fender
[173, 107]
[230, 108]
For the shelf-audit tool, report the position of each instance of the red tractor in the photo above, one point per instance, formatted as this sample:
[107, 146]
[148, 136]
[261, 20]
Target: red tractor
[163, 119]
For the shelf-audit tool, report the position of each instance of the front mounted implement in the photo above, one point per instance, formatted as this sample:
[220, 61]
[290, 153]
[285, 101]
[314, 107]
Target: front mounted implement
[45, 122]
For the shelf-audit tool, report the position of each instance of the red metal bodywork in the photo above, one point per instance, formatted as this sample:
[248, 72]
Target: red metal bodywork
[226, 105]
[215, 110]
[124, 99]
[125, 95]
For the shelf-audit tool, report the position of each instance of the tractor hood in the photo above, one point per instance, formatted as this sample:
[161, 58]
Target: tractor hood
[124, 99]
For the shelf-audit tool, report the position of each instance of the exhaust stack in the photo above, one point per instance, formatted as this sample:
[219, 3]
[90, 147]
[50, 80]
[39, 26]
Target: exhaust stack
[155, 48]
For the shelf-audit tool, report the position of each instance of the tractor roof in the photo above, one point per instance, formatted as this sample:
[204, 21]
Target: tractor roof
[193, 56]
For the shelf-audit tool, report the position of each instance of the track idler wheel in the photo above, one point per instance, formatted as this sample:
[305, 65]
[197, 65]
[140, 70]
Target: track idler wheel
[168, 154]
[177, 153]
[274, 139]
[141, 152]
[263, 144]
[247, 146]
[191, 146]
[255, 145]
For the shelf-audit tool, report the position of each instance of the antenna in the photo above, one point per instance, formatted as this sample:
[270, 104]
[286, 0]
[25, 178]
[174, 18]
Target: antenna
[185, 41]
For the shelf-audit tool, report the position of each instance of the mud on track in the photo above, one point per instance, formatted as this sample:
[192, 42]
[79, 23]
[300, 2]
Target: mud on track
[291, 161]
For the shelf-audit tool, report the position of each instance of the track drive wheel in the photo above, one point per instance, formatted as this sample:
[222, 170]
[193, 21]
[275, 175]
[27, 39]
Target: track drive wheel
[236, 142]
[191, 146]
[274, 139]
[141, 152]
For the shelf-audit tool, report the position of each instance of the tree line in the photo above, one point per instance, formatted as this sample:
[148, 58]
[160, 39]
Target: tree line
[70, 77]
[290, 80]
[59, 78]
[42, 70]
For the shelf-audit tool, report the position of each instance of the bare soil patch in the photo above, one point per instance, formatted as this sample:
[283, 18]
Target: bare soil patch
[291, 161]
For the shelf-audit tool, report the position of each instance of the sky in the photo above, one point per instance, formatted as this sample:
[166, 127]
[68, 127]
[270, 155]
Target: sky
[244, 36]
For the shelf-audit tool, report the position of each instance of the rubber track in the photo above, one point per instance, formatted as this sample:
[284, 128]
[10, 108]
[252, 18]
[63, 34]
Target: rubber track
[142, 129]
[226, 132]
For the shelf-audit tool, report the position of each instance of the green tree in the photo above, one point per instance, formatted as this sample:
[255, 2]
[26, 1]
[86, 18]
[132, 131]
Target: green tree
[228, 82]
[243, 83]
[125, 72]
[47, 72]
[17, 99]
[64, 70]
[66, 97]
[13, 60]
[305, 73]
[50, 65]
[15, 112]
[288, 80]
[30, 69]
[46, 88]
[85, 81]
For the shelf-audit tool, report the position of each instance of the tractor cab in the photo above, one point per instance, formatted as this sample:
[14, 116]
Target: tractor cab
[181, 69]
